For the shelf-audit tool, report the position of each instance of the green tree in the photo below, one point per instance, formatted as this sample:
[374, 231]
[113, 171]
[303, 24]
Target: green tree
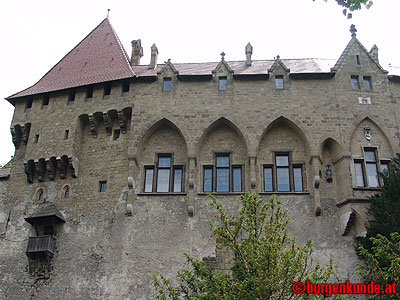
[353, 5]
[380, 249]
[266, 260]
[382, 262]
[385, 206]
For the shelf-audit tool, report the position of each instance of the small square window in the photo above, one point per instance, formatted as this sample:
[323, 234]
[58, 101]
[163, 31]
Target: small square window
[354, 82]
[89, 92]
[66, 134]
[125, 86]
[167, 84]
[107, 90]
[71, 96]
[46, 99]
[117, 134]
[222, 83]
[102, 186]
[279, 82]
[367, 83]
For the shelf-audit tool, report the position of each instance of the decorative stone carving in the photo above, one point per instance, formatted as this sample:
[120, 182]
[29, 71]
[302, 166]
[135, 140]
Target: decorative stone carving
[25, 132]
[367, 133]
[93, 123]
[316, 181]
[16, 135]
[191, 183]
[40, 169]
[191, 210]
[137, 52]
[51, 167]
[154, 55]
[249, 52]
[62, 165]
[74, 166]
[129, 209]
[107, 123]
[29, 170]
[328, 173]
[122, 121]
[131, 182]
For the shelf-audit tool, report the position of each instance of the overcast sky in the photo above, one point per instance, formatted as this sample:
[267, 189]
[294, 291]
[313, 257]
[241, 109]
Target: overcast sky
[37, 34]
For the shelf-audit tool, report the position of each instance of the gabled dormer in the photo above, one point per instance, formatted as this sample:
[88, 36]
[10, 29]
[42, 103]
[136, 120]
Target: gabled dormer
[280, 74]
[223, 74]
[167, 76]
[356, 56]
[359, 69]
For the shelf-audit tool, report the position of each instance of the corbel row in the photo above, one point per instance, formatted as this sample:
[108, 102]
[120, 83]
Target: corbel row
[109, 118]
[52, 166]
[20, 133]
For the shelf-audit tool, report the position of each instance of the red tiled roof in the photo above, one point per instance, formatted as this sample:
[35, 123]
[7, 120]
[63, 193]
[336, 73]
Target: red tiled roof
[99, 57]
[5, 173]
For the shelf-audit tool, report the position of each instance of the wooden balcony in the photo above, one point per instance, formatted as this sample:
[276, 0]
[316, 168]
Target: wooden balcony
[41, 246]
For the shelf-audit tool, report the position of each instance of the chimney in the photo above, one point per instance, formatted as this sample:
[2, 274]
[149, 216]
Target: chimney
[374, 52]
[249, 52]
[137, 52]
[154, 55]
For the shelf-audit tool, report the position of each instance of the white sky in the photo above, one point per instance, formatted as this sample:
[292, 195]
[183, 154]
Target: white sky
[37, 34]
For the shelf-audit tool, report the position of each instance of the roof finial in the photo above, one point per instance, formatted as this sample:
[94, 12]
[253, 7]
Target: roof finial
[353, 30]
[108, 12]
[222, 55]
[278, 57]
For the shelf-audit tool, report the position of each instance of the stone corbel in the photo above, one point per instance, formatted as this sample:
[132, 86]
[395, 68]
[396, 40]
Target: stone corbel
[316, 181]
[62, 165]
[252, 172]
[93, 123]
[192, 165]
[40, 169]
[16, 135]
[74, 166]
[51, 167]
[107, 123]
[122, 121]
[29, 167]
[25, 132]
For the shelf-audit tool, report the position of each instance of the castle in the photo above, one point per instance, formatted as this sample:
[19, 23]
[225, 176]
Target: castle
[114, 158]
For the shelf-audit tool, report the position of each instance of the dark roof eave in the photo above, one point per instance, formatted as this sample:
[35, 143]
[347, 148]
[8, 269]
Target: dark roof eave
[394, 78]
[195, 77]
[311, 76]
[248, 77]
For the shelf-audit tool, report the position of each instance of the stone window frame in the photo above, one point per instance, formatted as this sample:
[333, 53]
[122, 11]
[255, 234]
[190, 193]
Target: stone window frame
[40, 195]
[213, 167]
[167, 84]
[292, 165]
[64, 189]
[278, 79]
[222, 83]
[102, 188]
[363, 162]
[154, 179]
[367, 79]
[355, 82]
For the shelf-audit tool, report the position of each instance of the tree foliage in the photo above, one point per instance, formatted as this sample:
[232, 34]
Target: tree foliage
[385, 207]
[266, 260]
[353, 5]
[380, 249]
[382, 262]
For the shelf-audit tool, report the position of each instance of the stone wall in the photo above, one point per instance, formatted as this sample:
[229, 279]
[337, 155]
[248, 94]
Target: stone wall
[104, 253]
